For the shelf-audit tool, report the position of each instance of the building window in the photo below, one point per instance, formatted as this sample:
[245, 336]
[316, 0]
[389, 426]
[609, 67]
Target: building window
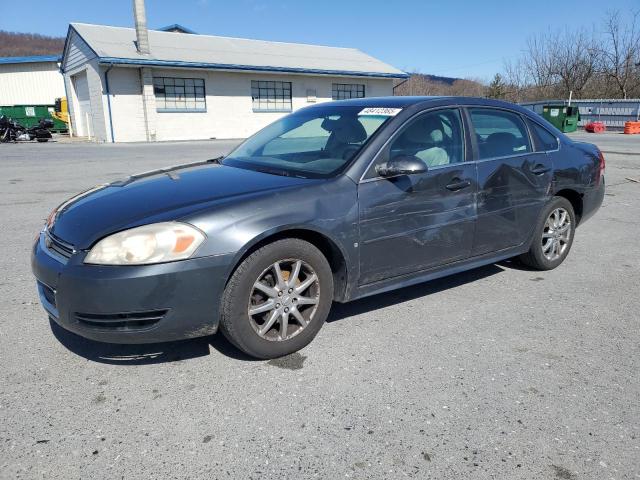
[343, 91]
[270, 96]
[179, 94]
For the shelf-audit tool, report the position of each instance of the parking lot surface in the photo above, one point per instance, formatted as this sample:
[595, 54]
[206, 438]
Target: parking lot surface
[499, 372]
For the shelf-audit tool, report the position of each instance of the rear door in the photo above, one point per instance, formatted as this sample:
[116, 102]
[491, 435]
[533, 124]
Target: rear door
[513, 179]
[415, 222]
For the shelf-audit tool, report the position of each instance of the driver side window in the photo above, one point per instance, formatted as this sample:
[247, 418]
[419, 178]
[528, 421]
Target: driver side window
[435, 138]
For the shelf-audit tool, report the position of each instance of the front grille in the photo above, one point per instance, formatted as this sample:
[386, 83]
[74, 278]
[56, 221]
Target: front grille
[121, 321]
[58, 246]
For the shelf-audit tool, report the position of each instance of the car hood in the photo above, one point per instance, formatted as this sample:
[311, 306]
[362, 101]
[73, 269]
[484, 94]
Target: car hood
[162, 195]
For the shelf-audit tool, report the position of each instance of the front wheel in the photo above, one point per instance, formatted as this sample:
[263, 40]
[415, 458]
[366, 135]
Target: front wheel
[277, 299]
[553, 236]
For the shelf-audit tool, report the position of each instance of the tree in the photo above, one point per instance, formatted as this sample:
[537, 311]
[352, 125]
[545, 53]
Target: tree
[14, 44]
[573, 59]
[497, 87]
[621, 53]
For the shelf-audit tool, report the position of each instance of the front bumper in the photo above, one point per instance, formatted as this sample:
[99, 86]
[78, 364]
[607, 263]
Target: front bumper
[131, 304]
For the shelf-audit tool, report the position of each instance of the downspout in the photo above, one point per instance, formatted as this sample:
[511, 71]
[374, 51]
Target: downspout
[106, 86]
[400, 84]
[66, 94]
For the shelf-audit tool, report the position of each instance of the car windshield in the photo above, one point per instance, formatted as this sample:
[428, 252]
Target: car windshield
[315, 142]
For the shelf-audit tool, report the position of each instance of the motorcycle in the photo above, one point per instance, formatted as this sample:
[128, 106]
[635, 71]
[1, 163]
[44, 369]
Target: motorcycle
[12, 131]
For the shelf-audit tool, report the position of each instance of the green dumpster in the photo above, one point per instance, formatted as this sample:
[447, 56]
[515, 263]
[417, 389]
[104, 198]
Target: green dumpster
[564, 118]
[29, 115]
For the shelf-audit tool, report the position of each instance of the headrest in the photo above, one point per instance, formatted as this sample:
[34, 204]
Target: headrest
[345, 129]
[424, 131]
[504, 138]
[437, 136]
[501, 143]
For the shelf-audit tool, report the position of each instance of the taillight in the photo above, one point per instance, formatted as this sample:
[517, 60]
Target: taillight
[601, 166]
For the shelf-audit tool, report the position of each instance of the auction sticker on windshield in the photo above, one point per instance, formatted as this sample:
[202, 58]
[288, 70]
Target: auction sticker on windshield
[387, 112]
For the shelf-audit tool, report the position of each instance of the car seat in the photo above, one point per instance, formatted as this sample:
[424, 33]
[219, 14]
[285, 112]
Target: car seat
[499, 144]
[426, 141]
[346, 135]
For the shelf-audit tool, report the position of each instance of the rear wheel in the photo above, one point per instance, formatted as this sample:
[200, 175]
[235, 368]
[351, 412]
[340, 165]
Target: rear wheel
[277, 299]
[553, 236]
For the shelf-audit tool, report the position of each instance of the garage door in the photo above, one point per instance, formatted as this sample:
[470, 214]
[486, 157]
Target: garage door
[83, 112]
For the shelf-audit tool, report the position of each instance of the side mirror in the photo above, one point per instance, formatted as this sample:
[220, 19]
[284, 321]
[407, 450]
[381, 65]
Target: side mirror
[401, 165]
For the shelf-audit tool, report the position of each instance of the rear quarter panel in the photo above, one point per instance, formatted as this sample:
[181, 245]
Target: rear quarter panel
[576, 166]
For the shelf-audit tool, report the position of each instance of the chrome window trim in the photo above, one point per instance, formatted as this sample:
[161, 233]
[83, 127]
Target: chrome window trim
[401, 127]
[503, 157]
[431, 169]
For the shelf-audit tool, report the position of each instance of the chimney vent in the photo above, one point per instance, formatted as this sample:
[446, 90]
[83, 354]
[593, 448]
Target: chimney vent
[142, 33]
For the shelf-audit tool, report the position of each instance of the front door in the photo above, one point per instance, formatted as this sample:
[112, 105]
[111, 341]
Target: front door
[416, 222]
[513, 180]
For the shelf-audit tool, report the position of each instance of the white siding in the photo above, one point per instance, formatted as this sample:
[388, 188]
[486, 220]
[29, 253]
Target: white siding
[82, 103]
[78, 53]
[229, 107]
[79, 59]
[97, 129]
[127, 108]
[97, 109]
[228, 94]
[30, 83]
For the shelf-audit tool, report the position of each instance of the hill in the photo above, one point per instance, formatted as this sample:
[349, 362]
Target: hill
[423, 84]
[14, 44]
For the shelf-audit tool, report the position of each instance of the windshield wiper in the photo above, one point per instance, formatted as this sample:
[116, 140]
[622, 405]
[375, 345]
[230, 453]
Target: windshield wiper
[217, 160]
[273, 171]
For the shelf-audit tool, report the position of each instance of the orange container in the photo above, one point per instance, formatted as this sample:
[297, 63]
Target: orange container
[631, 128]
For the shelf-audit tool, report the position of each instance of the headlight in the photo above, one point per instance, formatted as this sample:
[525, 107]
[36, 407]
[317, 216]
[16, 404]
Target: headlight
[155, 243]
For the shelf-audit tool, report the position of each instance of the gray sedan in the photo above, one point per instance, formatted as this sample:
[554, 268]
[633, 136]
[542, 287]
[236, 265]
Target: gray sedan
[334, 202]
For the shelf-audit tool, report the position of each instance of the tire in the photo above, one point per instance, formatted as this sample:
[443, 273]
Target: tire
[253, 319]
[552, 237]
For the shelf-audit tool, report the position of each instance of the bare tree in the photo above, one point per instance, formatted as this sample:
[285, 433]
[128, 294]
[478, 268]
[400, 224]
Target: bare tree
[466, 87]
[538, 60]
[13, 44]
[573, 59]
[553, 64]
[620, 57]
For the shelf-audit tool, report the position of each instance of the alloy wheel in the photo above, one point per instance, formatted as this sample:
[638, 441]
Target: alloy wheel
[556, 234]
[284, 300]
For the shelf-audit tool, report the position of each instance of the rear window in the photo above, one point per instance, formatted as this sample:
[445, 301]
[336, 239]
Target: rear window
[543, 138]
[499, 133]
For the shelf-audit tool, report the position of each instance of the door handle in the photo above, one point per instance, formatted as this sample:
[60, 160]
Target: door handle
[540, 169]
[457, 184]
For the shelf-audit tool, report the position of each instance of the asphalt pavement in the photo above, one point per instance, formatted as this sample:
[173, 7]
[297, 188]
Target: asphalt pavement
[499, 372]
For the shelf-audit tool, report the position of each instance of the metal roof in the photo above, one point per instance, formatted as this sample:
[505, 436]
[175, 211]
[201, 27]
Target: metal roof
[117, 45]
[176, 28]
[32, 59]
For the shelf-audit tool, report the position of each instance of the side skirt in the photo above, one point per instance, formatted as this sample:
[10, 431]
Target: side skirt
[437, 272]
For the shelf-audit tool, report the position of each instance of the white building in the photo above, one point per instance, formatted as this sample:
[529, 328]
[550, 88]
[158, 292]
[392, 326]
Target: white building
[30, 80]
[128, 84]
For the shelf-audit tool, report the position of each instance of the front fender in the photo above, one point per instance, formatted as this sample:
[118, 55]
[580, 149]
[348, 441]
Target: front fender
[328, 209]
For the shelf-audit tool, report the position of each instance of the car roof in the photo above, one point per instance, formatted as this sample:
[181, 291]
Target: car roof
[407, 101]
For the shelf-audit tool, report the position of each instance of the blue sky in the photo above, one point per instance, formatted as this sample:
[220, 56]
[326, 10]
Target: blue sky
[445, 37]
